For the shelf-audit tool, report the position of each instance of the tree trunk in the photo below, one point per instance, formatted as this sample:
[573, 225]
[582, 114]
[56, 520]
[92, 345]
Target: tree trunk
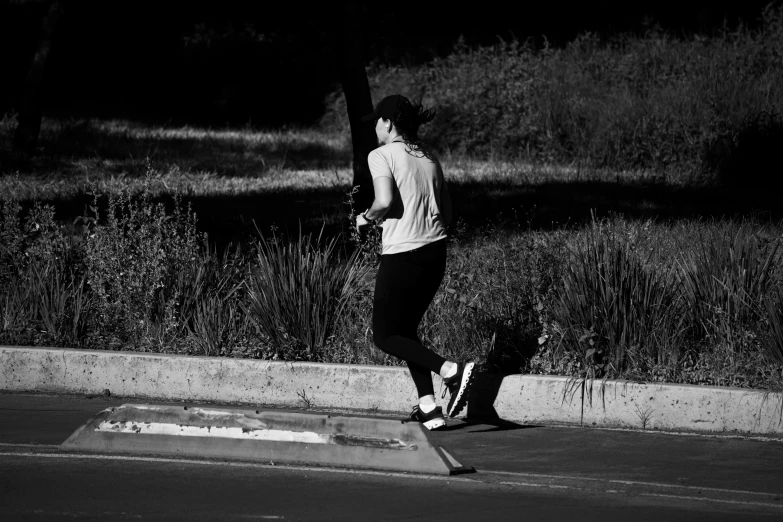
[356, 88]
[29, 109]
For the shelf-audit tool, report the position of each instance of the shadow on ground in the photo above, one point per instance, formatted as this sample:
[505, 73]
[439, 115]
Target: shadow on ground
[482, 416]
[488, 426]
[123, 148]
[71, 146]
[235, 218]
[539, 207]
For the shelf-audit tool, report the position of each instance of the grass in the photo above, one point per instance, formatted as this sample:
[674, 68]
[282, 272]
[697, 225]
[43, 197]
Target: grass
[296, 291]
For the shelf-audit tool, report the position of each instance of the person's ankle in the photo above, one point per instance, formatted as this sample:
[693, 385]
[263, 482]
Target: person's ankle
[427, 403]
[427, 408]
[449, 369]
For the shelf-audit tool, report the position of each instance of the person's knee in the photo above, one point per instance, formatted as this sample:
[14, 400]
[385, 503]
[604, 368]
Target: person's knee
[387, 342]
[378, 339]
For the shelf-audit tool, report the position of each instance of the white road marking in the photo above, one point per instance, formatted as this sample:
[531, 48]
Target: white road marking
[263, 517]
[710, 499]
[20, 445]
[631, 483]
[759, 438]
[58, 514]
[662, 495]
[538, 485]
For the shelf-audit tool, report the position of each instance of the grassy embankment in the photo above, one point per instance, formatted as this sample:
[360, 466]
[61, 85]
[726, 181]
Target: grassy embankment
[677, 279]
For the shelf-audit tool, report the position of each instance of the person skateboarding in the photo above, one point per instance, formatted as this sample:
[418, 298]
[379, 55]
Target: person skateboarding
[413, 202]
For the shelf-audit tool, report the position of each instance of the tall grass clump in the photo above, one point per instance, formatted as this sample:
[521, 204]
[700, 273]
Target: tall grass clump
[297, 290]
[616, 313]
[729, 283]
[210, 295]
[43, 296]
[60, 300]
[773, 303]
[699, 308]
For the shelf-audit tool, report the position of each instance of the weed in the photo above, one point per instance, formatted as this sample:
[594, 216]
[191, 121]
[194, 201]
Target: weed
[644, 415]
[306, 401]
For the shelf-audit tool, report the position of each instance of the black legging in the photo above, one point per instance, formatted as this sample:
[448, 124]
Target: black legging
[404, 288]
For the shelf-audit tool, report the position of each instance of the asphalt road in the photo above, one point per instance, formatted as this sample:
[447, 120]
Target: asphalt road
[522, 473]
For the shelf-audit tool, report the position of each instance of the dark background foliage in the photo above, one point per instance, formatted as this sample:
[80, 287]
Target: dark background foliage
[272, 63]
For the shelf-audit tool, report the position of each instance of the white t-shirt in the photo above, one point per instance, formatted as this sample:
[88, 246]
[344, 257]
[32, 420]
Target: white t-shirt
[414, 218]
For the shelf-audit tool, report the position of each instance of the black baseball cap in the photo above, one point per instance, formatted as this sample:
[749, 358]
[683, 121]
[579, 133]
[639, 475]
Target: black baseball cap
[387, 108]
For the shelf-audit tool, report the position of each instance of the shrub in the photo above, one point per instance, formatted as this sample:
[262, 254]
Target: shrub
[143, 278]
[132, 260]
[296, 291]
[702, 105]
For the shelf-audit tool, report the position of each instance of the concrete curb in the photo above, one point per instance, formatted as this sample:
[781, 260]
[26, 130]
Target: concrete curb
[519, 398]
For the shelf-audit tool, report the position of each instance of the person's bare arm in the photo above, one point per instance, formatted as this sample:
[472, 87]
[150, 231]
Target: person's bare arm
[384, 195]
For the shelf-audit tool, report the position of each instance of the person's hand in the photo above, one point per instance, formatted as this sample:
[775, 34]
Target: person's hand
[362, 223]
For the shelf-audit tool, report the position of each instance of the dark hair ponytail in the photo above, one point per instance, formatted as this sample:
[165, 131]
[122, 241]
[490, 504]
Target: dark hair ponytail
[408, 120]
